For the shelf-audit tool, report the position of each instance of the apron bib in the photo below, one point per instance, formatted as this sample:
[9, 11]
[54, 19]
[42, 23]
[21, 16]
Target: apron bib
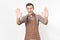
[32, 32]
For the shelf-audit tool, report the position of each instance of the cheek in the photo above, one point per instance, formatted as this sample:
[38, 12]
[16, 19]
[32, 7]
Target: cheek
[32, 9]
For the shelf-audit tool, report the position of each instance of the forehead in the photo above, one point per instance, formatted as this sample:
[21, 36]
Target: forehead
[30, 6]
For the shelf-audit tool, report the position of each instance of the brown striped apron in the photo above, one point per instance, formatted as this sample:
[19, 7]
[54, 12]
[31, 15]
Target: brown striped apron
[32, 32]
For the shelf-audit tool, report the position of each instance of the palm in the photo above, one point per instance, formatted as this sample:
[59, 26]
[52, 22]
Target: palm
[18, 13]
[45, 13]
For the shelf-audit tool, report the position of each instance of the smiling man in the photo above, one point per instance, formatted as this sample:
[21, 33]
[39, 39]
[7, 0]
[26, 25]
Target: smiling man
[31, 21]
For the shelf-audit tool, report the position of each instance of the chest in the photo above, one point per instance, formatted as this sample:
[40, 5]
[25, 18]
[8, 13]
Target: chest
[33, 20]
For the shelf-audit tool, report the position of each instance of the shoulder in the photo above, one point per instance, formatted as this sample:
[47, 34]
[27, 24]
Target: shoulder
[38, 15]
[24, 17]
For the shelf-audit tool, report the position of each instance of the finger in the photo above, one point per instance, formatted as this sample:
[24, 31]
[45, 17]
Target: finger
[45, 10]
[17, 12]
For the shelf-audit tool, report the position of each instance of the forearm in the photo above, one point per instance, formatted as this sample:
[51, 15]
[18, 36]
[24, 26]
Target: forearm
[18, 21]
[46, 20]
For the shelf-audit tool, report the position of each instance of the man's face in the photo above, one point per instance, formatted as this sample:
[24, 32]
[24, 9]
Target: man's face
[30, 9]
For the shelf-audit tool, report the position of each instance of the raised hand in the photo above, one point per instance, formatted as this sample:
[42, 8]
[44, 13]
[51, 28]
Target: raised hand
[18, 13]
[45, 12]
[45, 15]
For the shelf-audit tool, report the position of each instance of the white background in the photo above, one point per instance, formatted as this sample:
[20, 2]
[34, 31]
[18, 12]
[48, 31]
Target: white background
[9, 30]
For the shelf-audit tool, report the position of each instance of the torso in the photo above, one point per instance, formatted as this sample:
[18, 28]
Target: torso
[32, 31]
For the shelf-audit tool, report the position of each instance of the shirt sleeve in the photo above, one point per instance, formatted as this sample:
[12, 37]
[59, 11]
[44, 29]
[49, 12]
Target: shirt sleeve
[23, 19]
[41, 19]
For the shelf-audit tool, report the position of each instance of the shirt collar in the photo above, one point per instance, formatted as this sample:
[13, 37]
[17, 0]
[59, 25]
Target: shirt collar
[32, 14]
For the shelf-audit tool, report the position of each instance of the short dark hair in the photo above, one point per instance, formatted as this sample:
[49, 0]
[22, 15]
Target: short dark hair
[28, 4]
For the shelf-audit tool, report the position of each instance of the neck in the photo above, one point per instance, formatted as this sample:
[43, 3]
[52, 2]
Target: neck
[30, 14]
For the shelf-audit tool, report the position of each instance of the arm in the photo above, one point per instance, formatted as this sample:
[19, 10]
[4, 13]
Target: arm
[45, 14]
[19, 20]
[44, 19]
[18, 16]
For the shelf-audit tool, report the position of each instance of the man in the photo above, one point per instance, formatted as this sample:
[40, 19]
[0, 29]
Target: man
[31, 21]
